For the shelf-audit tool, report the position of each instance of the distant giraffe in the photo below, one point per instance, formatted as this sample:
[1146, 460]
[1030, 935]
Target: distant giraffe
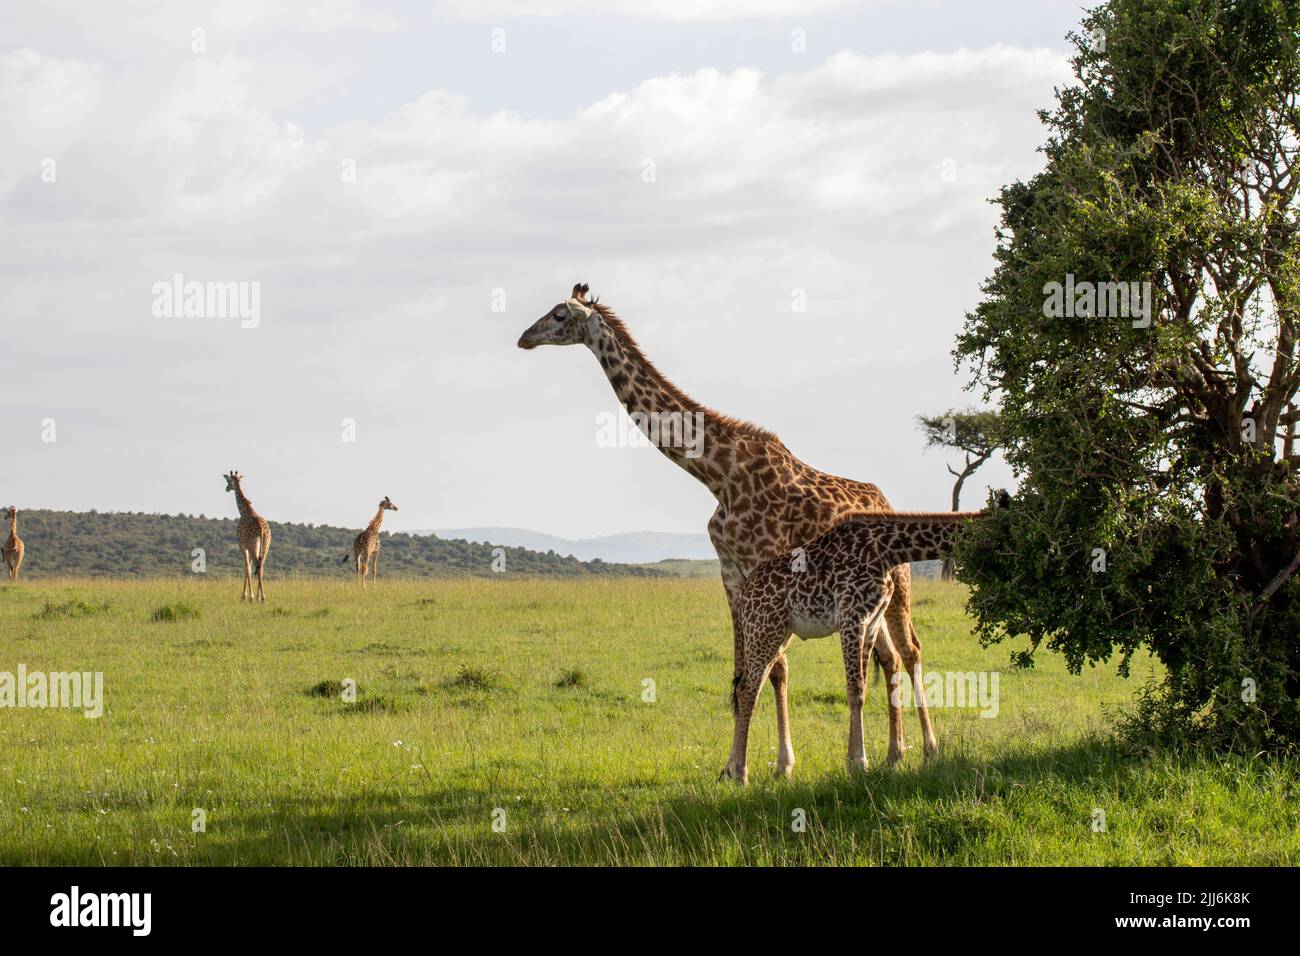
[365, 549]
[843, 581]
[769, 501]
[254, 538]
[13, 548]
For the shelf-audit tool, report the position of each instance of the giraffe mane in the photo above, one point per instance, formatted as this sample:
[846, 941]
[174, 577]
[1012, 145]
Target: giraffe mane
[625, 337]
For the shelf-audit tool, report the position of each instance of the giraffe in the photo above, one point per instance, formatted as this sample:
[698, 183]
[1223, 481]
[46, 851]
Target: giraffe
[365, 549]
[843, 581]
[13, 547]
[254, 538]
[769, 501]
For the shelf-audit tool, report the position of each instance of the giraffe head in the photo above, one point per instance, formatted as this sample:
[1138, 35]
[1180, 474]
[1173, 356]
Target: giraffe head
[571, 322]
[387, 504]
[232, 480]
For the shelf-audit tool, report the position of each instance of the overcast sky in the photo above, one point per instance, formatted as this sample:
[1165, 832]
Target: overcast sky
[499, 158]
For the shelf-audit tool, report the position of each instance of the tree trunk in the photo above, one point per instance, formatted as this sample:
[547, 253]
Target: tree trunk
[949, 571]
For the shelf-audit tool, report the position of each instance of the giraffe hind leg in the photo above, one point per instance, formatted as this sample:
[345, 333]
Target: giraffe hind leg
[263, 550]
[899, 615]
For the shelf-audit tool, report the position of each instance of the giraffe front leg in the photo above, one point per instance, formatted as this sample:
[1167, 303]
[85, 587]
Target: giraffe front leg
[748, 685]
[785, 747]
[852, 627]
[374, 567]
[247, 592]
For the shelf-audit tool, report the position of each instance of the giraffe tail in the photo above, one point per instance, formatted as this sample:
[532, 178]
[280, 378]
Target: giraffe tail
[344, 559]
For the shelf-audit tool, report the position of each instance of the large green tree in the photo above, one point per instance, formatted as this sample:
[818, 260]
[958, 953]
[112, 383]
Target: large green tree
[1151, 426]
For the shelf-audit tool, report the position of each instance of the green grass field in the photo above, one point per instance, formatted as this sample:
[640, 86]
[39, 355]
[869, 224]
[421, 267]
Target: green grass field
[521, 701]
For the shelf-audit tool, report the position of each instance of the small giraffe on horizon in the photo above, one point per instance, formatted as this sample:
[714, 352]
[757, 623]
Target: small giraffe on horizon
[254, 538]
[365, 548]
[13, 547]
[843, 582]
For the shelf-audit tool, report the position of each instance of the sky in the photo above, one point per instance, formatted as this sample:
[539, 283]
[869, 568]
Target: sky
[788, 203]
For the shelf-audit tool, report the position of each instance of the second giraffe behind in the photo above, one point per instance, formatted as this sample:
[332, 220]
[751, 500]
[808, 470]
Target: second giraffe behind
[365, 549]
[254, 538]
[13, 546]
[841, 582]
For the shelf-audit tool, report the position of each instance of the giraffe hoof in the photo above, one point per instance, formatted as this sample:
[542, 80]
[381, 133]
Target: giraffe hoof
[740, 778]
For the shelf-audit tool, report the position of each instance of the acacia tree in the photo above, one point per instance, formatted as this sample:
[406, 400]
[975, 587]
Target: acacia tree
[1152, 426]
[972, 432]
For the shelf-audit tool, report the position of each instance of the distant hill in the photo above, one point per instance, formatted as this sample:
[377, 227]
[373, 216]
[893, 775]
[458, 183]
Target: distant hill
[680, 554]
[637, 547]
[129, 543]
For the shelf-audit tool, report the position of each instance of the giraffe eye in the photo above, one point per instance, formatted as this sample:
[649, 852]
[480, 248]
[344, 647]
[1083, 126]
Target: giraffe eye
[561, 315]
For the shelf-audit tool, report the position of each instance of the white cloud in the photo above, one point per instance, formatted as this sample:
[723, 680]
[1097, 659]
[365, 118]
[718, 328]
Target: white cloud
[675, 10]
[376, 293]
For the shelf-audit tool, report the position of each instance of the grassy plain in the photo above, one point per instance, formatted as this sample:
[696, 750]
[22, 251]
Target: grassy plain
[520, 702]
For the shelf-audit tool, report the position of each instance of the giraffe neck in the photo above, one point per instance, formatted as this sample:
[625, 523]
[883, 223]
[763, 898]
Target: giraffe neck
[916, 537]
[13, 522]
[245, 506]
[683, 430]
[373, 527]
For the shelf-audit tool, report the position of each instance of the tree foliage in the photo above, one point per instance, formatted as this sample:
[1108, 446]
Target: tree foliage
[1159, 489]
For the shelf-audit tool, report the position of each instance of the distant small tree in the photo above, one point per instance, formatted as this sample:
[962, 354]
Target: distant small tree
[972, 432]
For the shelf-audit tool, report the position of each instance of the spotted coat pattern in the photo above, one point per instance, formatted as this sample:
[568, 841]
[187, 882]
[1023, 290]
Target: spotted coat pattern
[365, 548]
[843, 581]
[254, 539]
[13, 546]
[769, 501]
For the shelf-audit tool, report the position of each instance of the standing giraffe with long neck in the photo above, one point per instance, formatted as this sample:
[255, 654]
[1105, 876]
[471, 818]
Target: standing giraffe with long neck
[365, 548]
[13, 548]
[769, 501]
[254, 538]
